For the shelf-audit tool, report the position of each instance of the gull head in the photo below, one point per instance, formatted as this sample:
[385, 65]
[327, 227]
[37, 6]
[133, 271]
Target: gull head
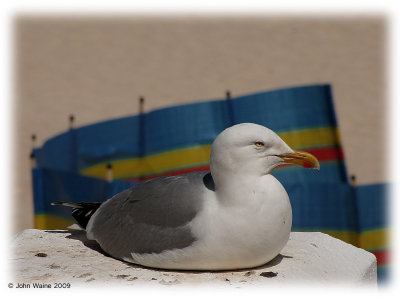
[254, 150]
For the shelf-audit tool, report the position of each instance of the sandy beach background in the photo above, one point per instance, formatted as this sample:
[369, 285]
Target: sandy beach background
[97, 67]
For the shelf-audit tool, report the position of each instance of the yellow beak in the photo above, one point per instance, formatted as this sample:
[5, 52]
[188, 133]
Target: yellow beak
[301, 158]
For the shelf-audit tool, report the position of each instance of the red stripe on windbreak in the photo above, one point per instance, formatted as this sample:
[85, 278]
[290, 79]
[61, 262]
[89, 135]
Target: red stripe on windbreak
[382, 256]
[322, 154]
[175, 172]
[178, 172]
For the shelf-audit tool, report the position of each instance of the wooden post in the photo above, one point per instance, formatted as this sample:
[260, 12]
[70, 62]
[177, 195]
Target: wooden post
[228, 94]
[230, 108]
[353, 180]
[32, 154]
[110, 175]
[71, 121]
[33, 160]
[141, 105]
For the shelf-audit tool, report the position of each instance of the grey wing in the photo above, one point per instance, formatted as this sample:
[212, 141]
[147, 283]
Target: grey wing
[151, 217]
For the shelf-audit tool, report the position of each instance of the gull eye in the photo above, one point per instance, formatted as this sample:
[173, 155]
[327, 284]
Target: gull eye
[259, 144]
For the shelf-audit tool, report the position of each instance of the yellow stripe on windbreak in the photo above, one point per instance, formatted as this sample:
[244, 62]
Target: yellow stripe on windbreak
[199, 155]
[45, 221]
[154, 164]
[311, 138]
[368, 240]
[350, 237]
[375, 239]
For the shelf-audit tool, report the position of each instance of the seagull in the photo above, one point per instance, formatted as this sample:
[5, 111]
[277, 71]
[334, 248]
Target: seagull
[235, 216]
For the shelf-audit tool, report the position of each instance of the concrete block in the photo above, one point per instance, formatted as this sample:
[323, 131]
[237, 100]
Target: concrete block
[67, 257]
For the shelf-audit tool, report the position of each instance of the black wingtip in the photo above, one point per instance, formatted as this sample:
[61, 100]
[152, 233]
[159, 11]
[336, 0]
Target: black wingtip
[82, 211]
[67, 204]
[83, 215]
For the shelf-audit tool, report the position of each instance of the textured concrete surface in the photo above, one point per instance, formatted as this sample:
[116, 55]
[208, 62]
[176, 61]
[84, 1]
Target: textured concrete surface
[67, 257]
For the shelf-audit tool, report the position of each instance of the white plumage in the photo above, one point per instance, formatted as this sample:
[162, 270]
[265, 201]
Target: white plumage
[239, 216]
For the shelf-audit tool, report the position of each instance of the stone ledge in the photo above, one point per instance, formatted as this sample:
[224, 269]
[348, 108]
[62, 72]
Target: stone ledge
[53, 256]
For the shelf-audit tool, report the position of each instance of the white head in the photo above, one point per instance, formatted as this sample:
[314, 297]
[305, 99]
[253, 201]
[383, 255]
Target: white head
[253, 150]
